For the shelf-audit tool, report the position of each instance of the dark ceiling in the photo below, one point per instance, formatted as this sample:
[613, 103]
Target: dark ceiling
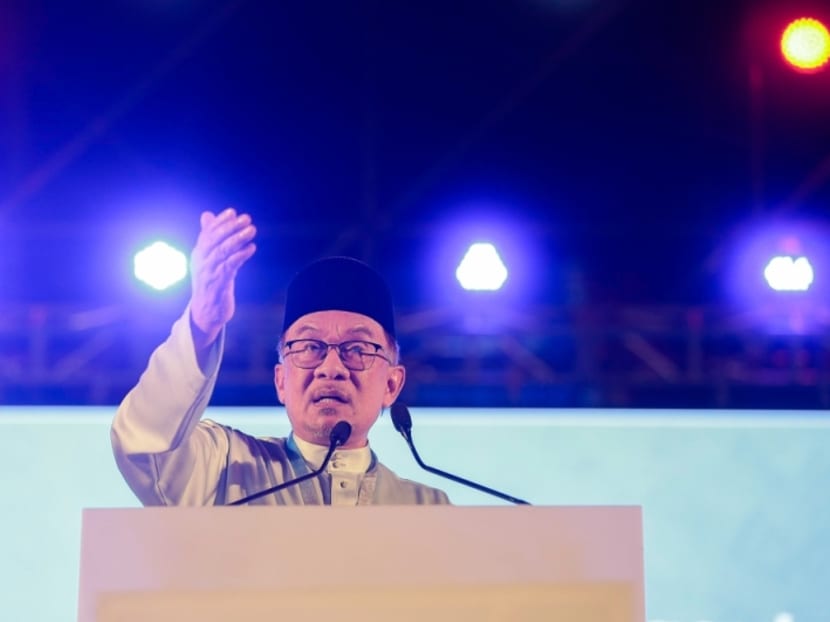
[615, 140]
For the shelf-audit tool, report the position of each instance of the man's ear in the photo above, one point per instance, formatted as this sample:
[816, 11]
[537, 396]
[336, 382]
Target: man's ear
[279, 382]
[394, 384]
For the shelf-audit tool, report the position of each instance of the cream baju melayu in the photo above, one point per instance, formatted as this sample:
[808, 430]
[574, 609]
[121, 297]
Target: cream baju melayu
[170, 456]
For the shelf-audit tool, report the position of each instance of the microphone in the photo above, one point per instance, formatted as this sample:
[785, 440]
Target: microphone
[402, 421]
[338, 436]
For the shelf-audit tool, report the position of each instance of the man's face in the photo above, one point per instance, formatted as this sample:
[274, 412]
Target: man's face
[315, 399]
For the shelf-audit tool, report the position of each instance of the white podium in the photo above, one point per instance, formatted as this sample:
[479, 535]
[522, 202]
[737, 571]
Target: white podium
[367, 564]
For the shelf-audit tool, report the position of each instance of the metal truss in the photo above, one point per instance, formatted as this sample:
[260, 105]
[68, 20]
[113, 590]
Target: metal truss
[631, 356]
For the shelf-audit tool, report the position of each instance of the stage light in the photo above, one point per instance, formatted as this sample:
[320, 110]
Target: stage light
[160, 265]
[481, 268]
[805, 44]
[775, 279]
[789, 274]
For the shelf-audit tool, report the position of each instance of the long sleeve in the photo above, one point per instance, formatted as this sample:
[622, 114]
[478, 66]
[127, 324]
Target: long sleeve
[162, 452]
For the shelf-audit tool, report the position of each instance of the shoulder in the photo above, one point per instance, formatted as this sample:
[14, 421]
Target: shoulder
[394, 489]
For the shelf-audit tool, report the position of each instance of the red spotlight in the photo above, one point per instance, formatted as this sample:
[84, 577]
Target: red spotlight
[805, 44]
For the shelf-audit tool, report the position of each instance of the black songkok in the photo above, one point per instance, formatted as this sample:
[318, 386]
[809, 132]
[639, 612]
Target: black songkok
[339, 284]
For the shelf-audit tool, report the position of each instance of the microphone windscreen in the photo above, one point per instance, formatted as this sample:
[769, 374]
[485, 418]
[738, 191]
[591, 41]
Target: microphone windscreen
[401, 418]
[340, 433]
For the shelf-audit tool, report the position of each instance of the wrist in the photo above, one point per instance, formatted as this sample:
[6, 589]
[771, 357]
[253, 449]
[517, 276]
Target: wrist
[203, 339]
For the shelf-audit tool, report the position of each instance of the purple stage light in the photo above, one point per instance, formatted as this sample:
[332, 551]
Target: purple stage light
[774, 258]
[160, 266]
[523, 265]
[789, 274]
[773, 276]
[481, 269]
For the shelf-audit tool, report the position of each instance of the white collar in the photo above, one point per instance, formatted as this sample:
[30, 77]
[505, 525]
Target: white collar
[342, 461]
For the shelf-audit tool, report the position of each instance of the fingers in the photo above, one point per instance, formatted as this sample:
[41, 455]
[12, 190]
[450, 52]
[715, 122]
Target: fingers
[222, 236]
[233, 242]
[224, 244]
[217, 229]
[235, 261]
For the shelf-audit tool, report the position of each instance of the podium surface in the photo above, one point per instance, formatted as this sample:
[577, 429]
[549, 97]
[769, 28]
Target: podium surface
[581, 564]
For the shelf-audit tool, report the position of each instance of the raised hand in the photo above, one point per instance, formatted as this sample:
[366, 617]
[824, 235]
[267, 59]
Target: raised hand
[223, 245]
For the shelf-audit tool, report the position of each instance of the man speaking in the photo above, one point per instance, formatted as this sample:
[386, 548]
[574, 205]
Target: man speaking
[338, 362]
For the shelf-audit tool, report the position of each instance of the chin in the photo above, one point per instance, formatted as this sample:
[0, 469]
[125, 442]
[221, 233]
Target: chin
[333, 410]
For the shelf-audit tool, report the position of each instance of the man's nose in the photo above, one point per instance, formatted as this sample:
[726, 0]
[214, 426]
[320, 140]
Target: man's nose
[332, 365]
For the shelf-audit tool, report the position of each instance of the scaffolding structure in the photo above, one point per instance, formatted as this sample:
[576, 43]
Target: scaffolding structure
[631, 356]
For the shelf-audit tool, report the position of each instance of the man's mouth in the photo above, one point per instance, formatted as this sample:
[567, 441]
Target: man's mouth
[322, 397]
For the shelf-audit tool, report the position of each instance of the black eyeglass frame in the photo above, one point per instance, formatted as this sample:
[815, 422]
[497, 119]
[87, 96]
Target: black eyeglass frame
[341, 348]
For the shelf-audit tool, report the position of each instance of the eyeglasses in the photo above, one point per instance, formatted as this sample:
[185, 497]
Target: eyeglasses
[355, 355]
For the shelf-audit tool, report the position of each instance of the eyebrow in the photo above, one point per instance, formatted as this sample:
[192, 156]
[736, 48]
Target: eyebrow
[306, 328]
[361, 330]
